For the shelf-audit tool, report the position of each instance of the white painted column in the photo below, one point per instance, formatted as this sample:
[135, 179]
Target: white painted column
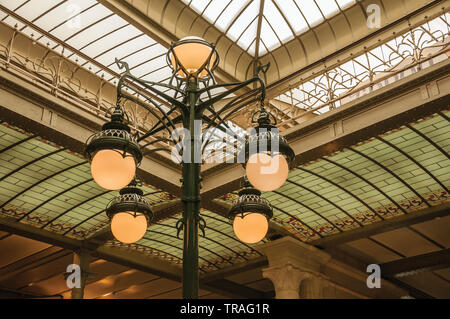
[295, 268]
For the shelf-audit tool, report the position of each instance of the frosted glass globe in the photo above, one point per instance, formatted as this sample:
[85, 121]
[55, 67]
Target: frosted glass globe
[250, 229]
[267, 173]
[192, 56]
[128, 228]
[111, 170]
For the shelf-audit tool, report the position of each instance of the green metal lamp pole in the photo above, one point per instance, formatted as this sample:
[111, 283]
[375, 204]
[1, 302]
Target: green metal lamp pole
[191, 199]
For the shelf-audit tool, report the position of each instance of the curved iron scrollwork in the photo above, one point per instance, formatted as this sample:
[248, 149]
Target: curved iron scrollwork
[139, 91]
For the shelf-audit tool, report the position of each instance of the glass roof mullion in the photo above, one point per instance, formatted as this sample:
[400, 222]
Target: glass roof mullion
[44, 13]
[20, 6]
[87, 27]
[284, 17]
[206, 7]
[146, 61]
[237, 16]
[341, 188]
[105, 35]
[68, 19]
[279, 40]
[367, 181]
[132, 53]
[303, 15]
[412, 159]
[73, 207]
[310, 209]
[118, 45]
[218, 17]
[246, 28]
[327, 200]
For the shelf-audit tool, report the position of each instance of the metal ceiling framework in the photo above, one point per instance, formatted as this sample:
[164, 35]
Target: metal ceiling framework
[398, 173]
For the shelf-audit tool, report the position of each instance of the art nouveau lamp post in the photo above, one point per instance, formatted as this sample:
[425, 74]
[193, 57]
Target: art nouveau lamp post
[115, 153]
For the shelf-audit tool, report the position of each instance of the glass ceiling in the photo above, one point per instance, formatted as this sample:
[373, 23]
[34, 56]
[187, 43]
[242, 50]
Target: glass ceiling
[396, 173]
[92, 35]
[280, 22]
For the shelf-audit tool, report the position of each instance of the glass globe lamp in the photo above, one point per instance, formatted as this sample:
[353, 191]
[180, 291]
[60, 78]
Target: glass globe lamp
[267, 155]
[130, 214]
[113, 153]
[250, 215]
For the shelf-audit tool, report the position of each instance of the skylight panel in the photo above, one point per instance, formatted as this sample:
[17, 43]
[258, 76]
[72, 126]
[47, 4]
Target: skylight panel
[251, 50]
[30, 11]
[243, 21]
[213, 11]
[262, 48]
[96, 31]
[310, 11]
[228, 15]
[277, 21]
[200, 5]
[344, 4]
[152, 64]
[268, 36]
[89, 17]
[293, 15]
[69, 12]
[329, 8]
[159, 75]
[125, 49]
[12, 4]
[141, 56]
[249, 34]
[288, 18]
[111, 40]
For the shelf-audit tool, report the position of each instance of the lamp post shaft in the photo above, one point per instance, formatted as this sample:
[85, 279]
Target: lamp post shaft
[191, 200]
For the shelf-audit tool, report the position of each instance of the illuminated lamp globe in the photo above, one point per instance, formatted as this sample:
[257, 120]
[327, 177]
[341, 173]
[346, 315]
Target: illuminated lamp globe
[267, 173]
[192, 53]
[128, 228]
[250, 228]
[112, 171]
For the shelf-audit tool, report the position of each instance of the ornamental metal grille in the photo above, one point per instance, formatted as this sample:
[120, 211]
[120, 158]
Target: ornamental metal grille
[402, 56]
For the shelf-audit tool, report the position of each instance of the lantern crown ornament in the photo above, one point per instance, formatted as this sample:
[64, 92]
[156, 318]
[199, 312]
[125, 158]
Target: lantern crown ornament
[268, 156]
[130, 214]
[113, 153]
[250, 215]
[193, 57]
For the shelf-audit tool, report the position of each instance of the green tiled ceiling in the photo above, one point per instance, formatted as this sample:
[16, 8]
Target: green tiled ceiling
[378, 179]
[52, 188]
[48, 187]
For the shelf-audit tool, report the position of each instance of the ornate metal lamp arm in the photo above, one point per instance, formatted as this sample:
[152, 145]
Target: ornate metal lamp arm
[146, 84]
[223, 95]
